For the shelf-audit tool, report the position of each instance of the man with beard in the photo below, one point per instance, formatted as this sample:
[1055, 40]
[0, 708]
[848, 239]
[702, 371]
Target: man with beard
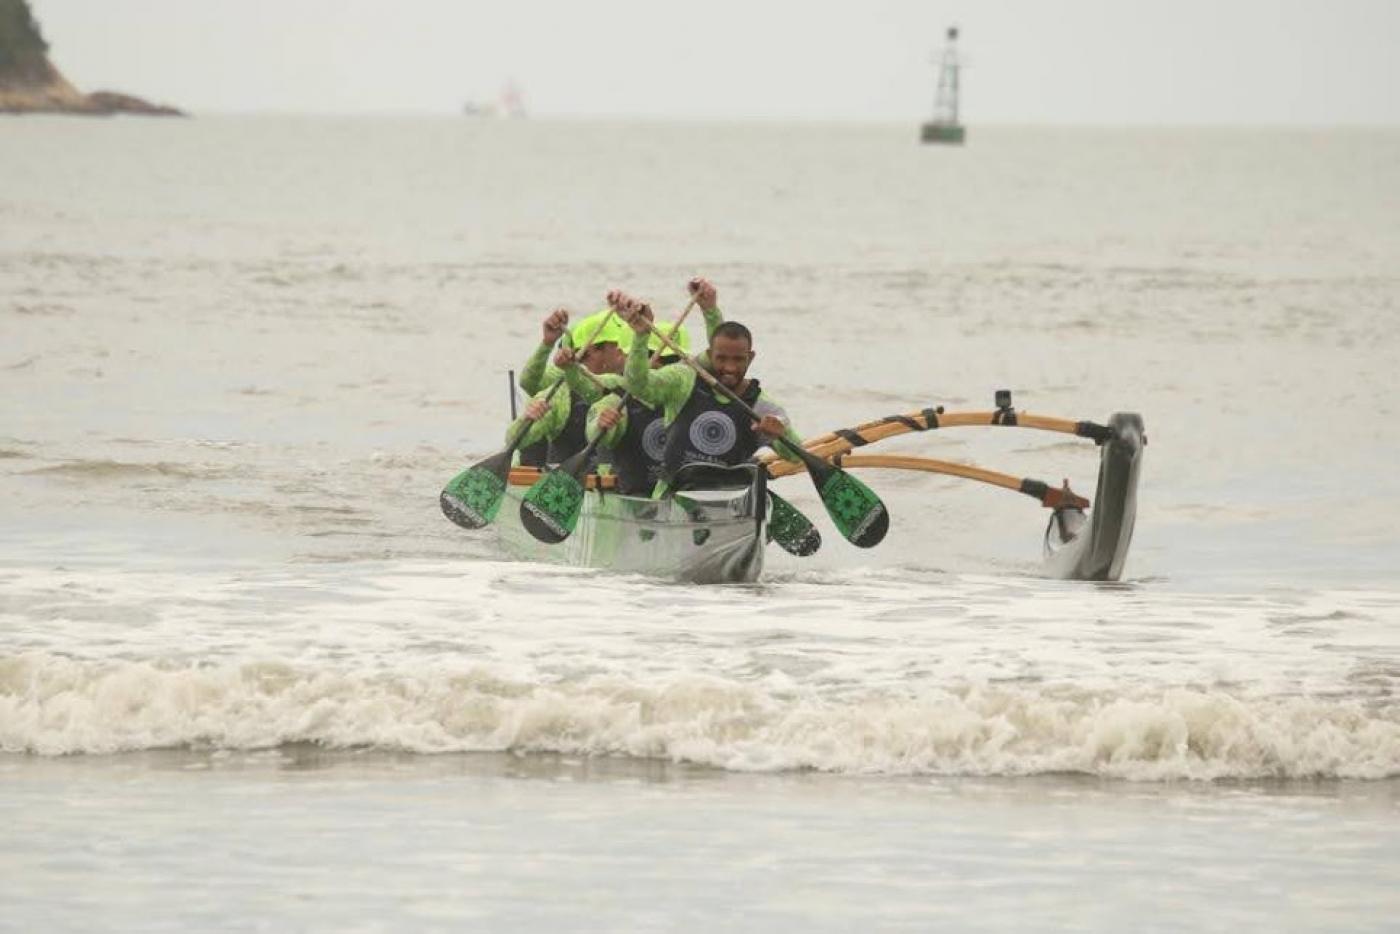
[704, 425]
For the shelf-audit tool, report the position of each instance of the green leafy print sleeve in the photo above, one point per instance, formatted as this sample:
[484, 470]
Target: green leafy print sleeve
[585, 388]
[667, 388]
[532, 376]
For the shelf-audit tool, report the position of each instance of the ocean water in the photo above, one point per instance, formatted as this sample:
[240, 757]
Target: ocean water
[251, 679]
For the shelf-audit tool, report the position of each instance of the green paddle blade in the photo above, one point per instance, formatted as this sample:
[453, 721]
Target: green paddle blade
[473, 497]
[791, 529]
[550, 508]
[857, 511]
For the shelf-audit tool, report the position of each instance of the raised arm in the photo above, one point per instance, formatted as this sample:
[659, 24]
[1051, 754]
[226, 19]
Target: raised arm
[532, 374]
[707, 298]
[666, 388]
[533, 377]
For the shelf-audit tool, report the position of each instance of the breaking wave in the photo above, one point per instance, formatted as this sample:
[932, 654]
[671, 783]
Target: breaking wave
[52, 705]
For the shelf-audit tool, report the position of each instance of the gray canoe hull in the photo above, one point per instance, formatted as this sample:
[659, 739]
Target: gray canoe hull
[704, 537]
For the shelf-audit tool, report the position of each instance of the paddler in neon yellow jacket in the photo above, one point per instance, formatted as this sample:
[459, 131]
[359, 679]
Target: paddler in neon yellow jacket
[539, 374]
[560, 421]
[634, 432]
[702, 425]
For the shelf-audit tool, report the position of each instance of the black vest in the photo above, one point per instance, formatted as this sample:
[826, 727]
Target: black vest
[534, 455]
[573, 437]
[708, 431]
[637, 460]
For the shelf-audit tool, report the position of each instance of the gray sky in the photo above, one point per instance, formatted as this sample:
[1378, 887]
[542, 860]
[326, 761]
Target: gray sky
[1029, 61]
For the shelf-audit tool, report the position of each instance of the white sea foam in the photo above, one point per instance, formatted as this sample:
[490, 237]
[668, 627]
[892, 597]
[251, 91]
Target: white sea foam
[50, 705]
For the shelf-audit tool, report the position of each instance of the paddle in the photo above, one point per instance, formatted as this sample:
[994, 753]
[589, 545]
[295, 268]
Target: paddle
[858, 513]
[473, 497]
[791, 529]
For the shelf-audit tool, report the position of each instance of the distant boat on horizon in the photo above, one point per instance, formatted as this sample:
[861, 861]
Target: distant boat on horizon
[510, 102]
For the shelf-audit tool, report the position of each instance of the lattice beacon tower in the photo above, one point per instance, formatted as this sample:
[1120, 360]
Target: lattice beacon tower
[944, 127]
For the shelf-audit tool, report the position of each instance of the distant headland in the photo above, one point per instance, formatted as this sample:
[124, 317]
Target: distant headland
[29, 83]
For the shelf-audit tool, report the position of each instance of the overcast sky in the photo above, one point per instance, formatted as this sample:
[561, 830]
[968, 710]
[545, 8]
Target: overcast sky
[1029, 61]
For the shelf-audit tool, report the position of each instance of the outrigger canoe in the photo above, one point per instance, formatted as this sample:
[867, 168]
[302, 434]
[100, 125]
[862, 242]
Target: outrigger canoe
[714, 529]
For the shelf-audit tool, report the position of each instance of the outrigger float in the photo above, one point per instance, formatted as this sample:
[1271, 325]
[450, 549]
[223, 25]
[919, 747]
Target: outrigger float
[716, 523]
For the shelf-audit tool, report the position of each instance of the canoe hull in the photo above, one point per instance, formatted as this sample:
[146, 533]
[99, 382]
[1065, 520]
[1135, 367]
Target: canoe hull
[702, 536]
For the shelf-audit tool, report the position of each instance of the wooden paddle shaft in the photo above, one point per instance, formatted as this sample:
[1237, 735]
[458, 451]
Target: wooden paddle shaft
[675, 328]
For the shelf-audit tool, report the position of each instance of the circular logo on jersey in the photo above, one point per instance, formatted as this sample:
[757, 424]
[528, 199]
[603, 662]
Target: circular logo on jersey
[713, 433]
[654, 440]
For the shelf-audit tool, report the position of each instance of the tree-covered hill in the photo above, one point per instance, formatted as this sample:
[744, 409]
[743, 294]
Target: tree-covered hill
[29, 83]
[23, 51]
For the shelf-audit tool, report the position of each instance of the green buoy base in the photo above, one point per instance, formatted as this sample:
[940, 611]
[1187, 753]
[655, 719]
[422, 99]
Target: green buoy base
[942, 133]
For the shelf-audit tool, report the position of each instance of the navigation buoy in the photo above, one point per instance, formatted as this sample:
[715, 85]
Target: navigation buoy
[944, 127]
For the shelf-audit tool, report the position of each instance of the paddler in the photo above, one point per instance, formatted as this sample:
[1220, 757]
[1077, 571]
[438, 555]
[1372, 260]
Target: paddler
[703, 425]
[634, 432]
[560, 421]
[537, 374]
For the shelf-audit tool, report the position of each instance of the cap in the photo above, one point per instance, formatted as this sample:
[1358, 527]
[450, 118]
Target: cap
[600, 330]
[680, 338]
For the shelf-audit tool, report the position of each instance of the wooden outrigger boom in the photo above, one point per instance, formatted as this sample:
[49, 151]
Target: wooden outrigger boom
[1052, 497]
[929, 419]
[1077, 546]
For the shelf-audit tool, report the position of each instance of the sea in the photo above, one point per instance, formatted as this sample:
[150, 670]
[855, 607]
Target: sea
[252, 680]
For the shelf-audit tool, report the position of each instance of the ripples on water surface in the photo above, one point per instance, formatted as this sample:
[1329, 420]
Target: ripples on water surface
[241, 356]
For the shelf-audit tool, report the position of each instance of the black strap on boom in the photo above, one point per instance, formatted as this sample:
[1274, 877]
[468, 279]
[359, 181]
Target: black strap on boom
[1099, 433]
[930, 422]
